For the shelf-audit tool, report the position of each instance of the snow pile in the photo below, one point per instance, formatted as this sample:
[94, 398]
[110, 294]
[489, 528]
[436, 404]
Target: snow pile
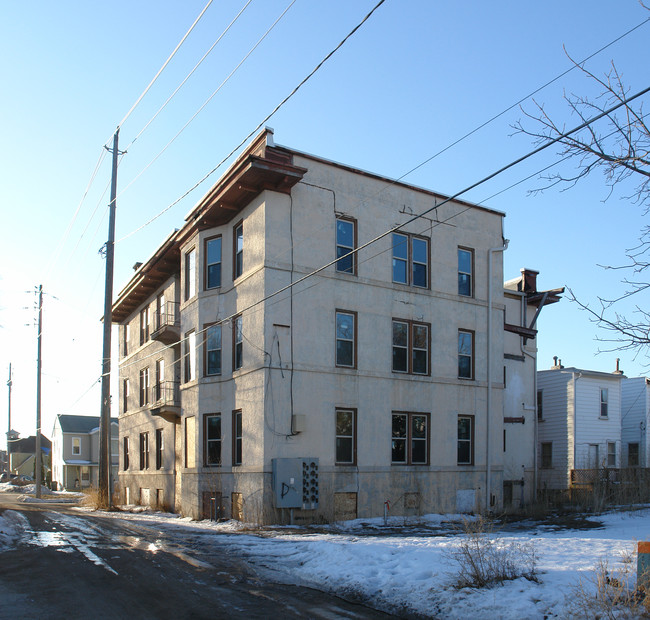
[12, 526]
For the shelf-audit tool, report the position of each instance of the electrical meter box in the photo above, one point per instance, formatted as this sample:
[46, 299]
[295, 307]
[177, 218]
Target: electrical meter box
[295, 483]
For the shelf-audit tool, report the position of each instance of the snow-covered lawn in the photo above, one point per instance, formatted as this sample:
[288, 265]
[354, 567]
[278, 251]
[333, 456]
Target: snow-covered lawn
[408, 567]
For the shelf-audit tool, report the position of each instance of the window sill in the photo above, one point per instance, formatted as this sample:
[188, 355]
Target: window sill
[603, 417]
[465, 464]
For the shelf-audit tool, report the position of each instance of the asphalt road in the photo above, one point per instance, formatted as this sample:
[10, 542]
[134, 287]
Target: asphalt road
[81, 565]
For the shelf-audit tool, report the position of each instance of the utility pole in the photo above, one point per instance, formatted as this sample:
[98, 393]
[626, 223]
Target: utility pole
[9, 384]
[38, 394]
[105, 490]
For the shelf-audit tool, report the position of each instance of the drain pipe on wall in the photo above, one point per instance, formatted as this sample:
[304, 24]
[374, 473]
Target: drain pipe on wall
[488, 471]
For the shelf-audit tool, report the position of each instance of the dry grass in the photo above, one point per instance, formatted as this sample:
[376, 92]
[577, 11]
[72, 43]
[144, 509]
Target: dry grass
[484, 559]
[611, 593]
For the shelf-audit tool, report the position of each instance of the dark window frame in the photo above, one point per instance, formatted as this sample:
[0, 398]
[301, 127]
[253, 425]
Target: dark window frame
[144, 386]
[207, 440]
[470, 251]
[237, 342]
[189, 355]
[604, 403]
[546, 459]
[353, 314]
[409, 439]
[237, 266]
[159, 313]
[411, 325]
[189, 289]
[471, 440]
[472, 355]
[159, 448]
[126, 389]
[353, 437]
[237, 437]
[409, 260]
[206, 351]
[353, 256]
[540, 405]
[125, 452]
[144, 325]
[207, 265]
[144, 451]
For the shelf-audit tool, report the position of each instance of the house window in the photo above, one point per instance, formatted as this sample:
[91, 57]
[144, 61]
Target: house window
[144, 387]
[465, 440]
[633, 455]
[346, 436]
[190, 438]
[76, 446]
[159, 315]
[540, 405]
[144, 325]
[212, 262]
[125, 444]
[189, 343]
[611, 454]
[144, 450]
[346, 241]
[190, 274]
[410, 438]
[126, 336]
[410, 347]
[125, 395]
[212, 442]
[160, 379]
[238, 250]
[159, 448]
[465, 354]
[465, 272]
[236, 437]
[547, 454]
[212, 352]
[604, 397]
[346, 353]
[410, 260]
[238, 343]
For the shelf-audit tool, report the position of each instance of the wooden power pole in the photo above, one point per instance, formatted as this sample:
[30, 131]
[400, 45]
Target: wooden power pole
[105, 490]
[39, 458]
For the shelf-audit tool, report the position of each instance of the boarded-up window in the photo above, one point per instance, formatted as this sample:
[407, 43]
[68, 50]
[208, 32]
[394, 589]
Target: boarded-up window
[345, 506]
[237, 500]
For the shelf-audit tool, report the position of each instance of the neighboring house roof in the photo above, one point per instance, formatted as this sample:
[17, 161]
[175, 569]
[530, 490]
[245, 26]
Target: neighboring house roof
[27, 445]
[586, 373]
[80, 423]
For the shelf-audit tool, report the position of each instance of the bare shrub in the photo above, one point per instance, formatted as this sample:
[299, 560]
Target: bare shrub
[610, 593]
[484, 559]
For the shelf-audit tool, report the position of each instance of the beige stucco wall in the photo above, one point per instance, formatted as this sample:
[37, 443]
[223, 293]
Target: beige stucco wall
[264, 387]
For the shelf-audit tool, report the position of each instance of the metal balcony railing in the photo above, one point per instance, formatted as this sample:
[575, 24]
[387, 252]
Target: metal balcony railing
[167, 323]
[165, 394]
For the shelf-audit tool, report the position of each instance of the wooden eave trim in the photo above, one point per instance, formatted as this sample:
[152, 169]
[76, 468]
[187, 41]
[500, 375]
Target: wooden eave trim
[526, 332]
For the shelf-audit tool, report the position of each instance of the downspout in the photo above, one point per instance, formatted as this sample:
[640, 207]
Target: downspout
[489, 372]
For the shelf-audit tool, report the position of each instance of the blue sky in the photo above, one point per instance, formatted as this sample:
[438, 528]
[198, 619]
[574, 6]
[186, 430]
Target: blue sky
[416, 77]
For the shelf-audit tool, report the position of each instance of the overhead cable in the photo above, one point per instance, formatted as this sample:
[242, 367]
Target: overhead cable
[261, 124]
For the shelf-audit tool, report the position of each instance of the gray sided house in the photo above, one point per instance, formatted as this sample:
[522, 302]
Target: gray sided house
[634, 422]
[75, 451]
[579, 423]
[363, 385]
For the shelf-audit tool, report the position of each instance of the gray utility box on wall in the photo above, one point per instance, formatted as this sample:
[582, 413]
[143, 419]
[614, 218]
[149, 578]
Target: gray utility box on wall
[295, 483]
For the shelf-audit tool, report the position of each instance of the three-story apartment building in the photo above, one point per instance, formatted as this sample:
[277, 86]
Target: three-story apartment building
[304, 344]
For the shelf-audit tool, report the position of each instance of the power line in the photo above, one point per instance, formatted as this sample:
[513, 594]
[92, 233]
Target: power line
[146, 90]
[261, 124]
[205, 103]
[421, 164]
[187, 77]
[393, 229]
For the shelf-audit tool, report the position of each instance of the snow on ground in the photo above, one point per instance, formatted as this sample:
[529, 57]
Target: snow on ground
[407, 567]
